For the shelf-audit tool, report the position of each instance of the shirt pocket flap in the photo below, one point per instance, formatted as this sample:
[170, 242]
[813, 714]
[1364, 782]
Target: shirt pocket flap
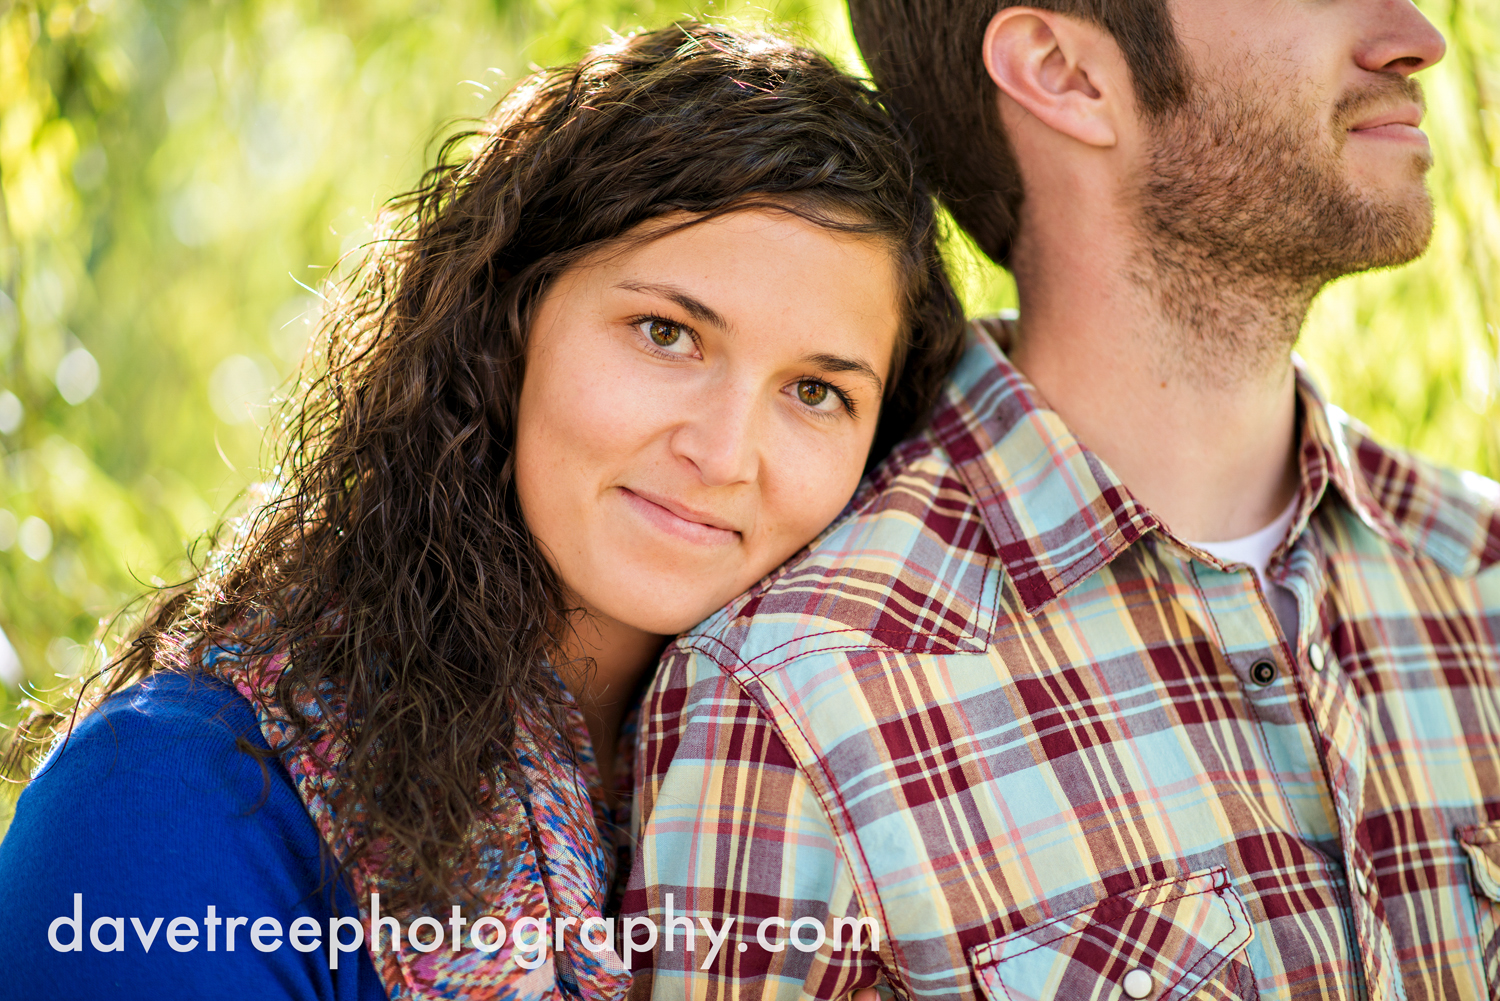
[1481, 843]
[1163, 941]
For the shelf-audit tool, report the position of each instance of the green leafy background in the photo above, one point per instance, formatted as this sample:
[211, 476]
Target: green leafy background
[176, 176]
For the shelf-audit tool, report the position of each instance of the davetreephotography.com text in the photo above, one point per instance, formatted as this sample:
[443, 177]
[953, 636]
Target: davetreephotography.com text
[530, 937]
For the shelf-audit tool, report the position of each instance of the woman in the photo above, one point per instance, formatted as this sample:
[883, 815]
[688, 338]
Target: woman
[601, 375]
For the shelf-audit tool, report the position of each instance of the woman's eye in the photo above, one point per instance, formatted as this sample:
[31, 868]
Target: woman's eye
[667, 335]
[816, 394]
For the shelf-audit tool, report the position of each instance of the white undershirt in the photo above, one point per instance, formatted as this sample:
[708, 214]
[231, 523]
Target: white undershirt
[1255, 549]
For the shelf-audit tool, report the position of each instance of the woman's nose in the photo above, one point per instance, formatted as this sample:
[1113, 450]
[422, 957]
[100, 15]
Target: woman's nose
[718, 436]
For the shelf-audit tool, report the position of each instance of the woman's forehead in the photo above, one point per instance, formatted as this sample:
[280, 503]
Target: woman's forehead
[769, 275]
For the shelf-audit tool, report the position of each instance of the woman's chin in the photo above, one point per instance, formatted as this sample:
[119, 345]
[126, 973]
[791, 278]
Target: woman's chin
[669, 622]
[662, 607]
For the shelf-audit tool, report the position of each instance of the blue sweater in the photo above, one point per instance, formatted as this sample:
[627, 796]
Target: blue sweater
[151, 811]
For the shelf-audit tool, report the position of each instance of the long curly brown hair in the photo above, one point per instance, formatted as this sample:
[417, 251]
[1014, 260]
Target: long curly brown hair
[392, 499]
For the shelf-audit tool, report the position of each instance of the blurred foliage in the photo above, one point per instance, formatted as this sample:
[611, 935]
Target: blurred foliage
[177, 176]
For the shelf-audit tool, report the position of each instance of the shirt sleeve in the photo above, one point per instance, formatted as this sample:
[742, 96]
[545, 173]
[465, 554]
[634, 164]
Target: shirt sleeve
[149, 819]
[732, 836]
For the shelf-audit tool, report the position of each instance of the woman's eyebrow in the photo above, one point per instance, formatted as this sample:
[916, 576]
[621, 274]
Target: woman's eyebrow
[696, 308]
[838, 363]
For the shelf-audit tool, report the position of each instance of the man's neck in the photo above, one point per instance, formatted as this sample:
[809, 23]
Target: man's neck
[1196, 418]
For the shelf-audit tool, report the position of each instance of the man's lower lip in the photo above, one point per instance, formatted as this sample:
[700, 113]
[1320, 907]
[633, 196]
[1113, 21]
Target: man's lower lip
[1395, 130]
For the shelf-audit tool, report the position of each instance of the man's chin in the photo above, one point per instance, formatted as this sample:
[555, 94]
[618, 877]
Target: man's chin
[1382, 229]
[1406, 233]
[1399, 180]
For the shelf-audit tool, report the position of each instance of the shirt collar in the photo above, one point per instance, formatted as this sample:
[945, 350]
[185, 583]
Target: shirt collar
[1327, 455]
[1054, 511]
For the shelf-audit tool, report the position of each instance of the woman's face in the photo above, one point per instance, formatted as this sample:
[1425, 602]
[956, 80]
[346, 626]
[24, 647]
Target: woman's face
[698, 406]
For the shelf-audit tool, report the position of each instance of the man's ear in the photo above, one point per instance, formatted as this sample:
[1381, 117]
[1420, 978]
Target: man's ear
[1065, 72]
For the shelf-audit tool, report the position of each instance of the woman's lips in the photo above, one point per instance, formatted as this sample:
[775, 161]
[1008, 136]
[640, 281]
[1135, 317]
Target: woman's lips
[678, 521]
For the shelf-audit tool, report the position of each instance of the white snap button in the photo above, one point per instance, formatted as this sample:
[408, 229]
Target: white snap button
[1315, 654]
[1360, 882]
[1138, 984]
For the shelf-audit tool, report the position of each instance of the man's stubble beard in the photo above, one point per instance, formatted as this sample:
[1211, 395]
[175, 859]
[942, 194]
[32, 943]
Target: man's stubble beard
[1244, 216]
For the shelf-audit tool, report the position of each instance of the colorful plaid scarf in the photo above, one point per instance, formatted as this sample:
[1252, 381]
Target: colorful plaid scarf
[538, 854]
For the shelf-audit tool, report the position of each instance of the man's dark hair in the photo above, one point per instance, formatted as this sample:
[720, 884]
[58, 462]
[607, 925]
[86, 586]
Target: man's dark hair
[926, 57]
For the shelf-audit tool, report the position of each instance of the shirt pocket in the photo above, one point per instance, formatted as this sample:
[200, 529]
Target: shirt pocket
[1175, 939]
[1481, 843]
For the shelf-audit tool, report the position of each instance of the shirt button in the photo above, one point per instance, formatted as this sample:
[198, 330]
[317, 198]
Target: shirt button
[1263, 673]
[1316, 656]
[1361, 882]
[1138, 984]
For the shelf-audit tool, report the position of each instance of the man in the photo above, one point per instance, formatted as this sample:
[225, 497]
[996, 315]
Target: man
[1143, 672]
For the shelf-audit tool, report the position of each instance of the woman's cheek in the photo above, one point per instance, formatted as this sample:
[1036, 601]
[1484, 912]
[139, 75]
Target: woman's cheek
[815, 475]
[612, 404]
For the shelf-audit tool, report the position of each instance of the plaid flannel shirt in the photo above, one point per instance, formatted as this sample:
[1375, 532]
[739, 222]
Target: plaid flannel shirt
[1053, 751]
